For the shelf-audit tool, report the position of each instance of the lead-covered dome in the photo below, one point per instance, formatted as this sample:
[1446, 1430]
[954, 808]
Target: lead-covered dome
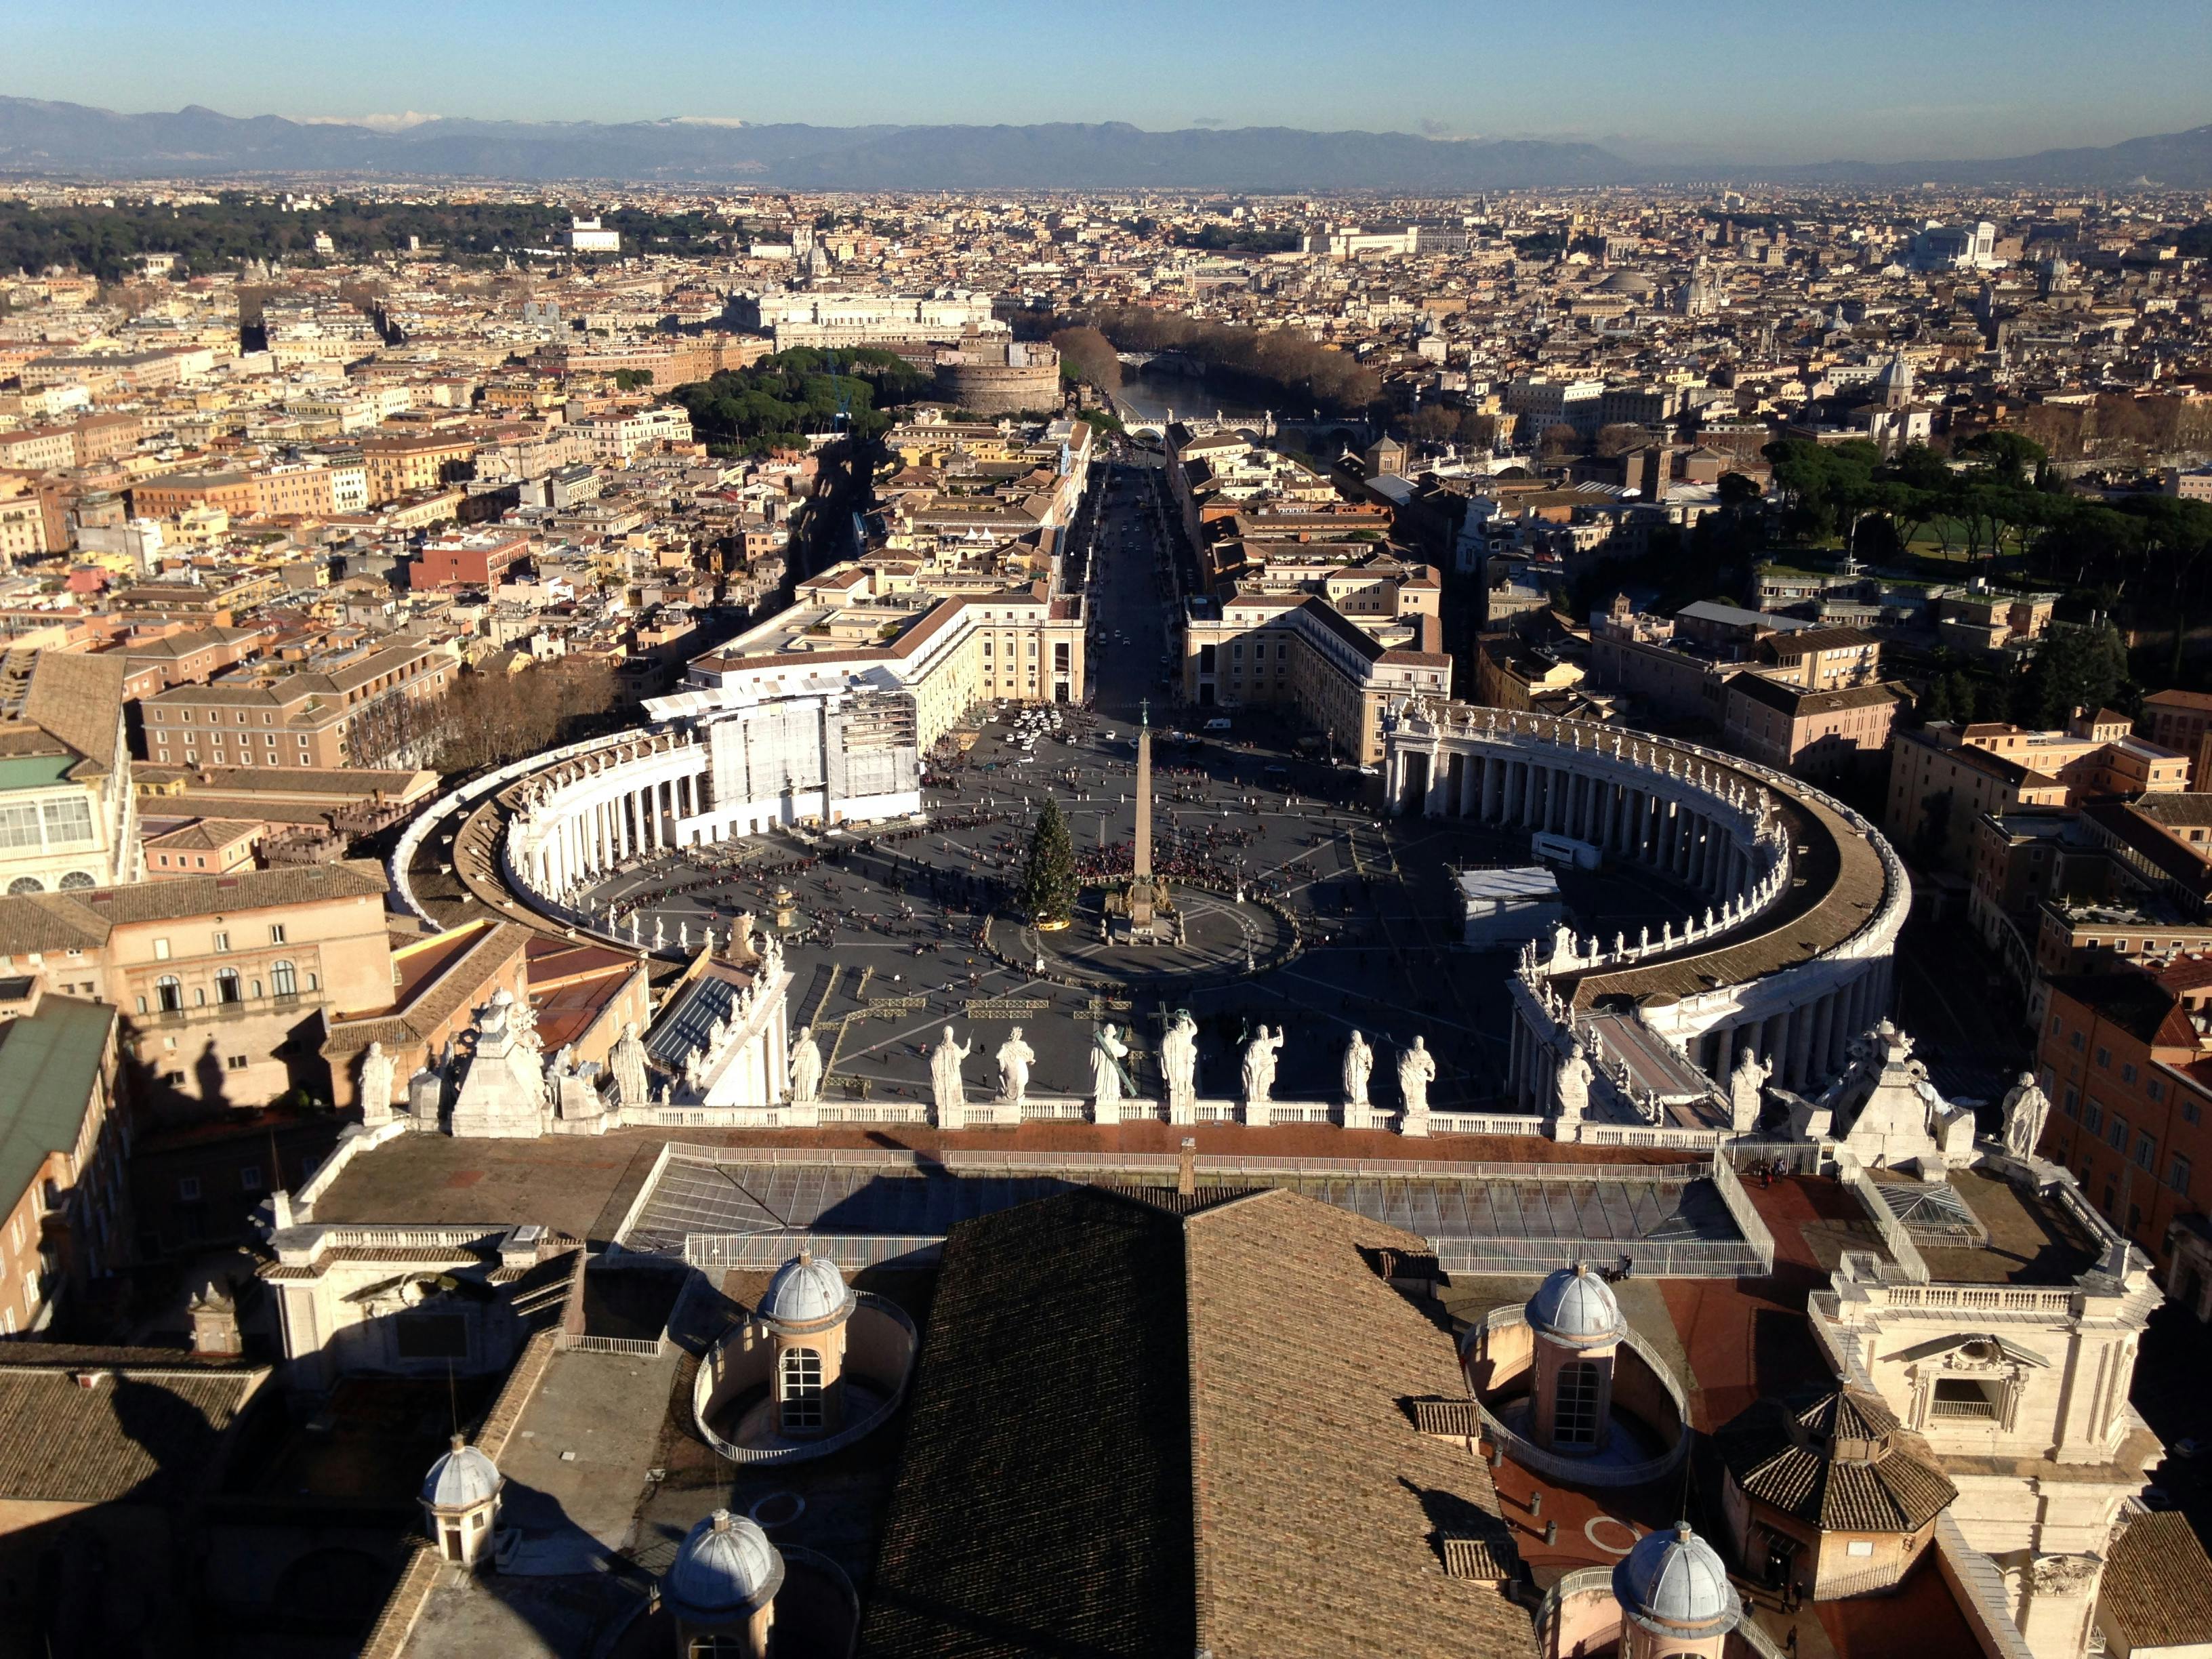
[463, 1477]
[1574, 1305]
[807, 1293]
[1674, 1585]
[725, 1569]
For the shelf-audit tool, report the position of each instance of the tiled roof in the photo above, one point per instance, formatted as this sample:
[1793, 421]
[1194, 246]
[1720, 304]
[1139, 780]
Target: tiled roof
[145, 1427]
[1838, 1462]
[50, 1062]
[1140, 1433]
[82, 920]
[2158, 1584]
[75, 700]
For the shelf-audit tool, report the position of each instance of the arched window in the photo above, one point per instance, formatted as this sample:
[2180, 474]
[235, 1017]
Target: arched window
[799, 1389]
[24, 884]
[1574, 1421]
[283, 979]
[169, 992]
[227, 989]
[77, 879]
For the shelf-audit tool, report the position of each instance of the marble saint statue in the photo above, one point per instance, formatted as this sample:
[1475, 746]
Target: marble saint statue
[1179, 1064]
[2027, 1108]
[1417, 1069]
[1746, 1083]
[377, 1072]
[1259, 1064]
[1571, 1083]
[805, 1068]
[1015, 1057]
[1358, 1066]
[952, 1094]
[1109, 1081]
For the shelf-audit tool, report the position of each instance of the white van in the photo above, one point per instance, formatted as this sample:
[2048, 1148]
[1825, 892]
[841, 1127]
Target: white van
[1219, 723]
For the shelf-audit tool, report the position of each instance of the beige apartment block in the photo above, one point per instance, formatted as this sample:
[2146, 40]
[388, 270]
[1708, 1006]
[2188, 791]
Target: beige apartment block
[224, 982]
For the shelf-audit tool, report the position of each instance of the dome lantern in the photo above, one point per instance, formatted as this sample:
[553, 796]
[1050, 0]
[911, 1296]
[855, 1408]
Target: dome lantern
[460, 1502]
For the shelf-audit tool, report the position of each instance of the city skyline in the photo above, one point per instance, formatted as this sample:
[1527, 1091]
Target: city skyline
[1684, 89]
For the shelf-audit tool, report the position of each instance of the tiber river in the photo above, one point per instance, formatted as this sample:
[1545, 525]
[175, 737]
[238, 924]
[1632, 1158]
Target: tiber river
[1151, 395]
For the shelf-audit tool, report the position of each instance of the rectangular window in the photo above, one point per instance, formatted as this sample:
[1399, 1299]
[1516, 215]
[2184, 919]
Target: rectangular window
[188, 1188]
[221, 943]
[2092, 1117]
[276, 932]
[2146, 1153]
[2077, 1042]
[2105, 1058]
[1965, 1397]
[431, 1336]
[2155, 1088]
[161, 950]
[68, 821]
[2127, 1072]
[2116, 1135]
[2177, 1175]
[236, 1062]
[19, 826]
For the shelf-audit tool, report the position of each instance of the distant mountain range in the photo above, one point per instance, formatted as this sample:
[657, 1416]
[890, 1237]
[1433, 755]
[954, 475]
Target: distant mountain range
[45, 137]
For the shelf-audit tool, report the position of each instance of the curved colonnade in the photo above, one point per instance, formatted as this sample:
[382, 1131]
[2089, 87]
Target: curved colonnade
[1791, 961]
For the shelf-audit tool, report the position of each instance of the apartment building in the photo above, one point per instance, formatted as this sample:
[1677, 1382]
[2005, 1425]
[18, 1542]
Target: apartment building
[616, 437]
[68, 811]
[1944, 775]
[2182, 721]
[64, 1138]
[475, 558]
[2126, 1058]
[403, 463]
[1827, 734]
[1821, 658]
[1295, 653]
[224, 982]
[325, 713]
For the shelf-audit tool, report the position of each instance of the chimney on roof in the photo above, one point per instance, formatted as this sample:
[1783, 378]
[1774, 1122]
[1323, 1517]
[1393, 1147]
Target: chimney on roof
[1187, 1168]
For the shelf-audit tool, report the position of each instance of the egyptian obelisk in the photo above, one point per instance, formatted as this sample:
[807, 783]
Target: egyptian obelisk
[1143, 869]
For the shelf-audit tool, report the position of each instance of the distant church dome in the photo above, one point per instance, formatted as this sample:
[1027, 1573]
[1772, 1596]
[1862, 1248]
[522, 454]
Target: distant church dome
[1674, 1585]
[725, 1568]
[1573, 1305]
[807, 1291]
[462, 1477]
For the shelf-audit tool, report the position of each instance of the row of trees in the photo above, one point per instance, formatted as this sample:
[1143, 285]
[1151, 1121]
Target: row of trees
[111, 242]
[488, 719]
[1285, 364]
[777, 402]
[2147, 551]
[2074, 667]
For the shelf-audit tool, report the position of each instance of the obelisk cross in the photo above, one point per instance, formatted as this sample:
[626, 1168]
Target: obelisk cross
[1143, 869]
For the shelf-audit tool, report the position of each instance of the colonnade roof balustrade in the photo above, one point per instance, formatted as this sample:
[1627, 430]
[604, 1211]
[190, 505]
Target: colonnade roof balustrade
[1844, 878]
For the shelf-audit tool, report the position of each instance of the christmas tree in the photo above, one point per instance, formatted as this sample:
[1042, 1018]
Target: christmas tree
[1048, 883]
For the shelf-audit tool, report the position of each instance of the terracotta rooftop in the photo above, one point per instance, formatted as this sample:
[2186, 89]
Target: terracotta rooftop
[2158, 1584]
[1208, 1449]
[1838, 1461]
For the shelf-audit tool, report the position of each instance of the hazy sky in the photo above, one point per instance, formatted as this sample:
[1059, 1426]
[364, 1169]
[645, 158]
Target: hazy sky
[1770, 79]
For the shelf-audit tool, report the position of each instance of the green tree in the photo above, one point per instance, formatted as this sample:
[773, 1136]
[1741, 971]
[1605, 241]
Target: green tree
[2084, 668]
[1048, 883]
